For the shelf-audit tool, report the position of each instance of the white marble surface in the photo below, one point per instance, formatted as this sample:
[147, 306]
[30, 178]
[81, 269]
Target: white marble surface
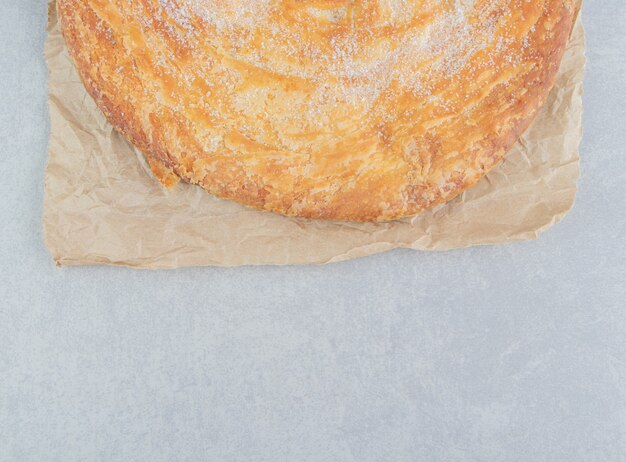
[508, 353]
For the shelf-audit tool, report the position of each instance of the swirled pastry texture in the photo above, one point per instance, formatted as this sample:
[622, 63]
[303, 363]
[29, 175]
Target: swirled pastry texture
[335, 109]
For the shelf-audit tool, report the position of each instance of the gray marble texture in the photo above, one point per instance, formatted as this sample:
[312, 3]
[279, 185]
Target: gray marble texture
[503, 353]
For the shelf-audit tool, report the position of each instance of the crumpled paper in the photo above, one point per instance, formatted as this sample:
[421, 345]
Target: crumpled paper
[103, 206]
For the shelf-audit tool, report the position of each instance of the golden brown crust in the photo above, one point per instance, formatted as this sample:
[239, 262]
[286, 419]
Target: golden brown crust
[330, 109]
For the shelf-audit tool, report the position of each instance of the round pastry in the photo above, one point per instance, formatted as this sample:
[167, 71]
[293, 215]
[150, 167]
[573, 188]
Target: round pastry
[359, 110]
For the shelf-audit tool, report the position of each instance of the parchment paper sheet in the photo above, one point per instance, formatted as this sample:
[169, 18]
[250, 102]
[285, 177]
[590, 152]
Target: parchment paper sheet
[102, 205]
